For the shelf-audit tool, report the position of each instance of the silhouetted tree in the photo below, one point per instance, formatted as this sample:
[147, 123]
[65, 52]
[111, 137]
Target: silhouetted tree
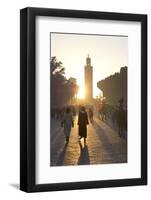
[56, 67]
[63, 90]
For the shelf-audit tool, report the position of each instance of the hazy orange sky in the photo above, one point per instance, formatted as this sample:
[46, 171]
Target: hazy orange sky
[108, 54]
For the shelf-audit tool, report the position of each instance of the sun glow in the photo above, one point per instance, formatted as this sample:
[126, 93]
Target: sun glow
[99, 47]
[81, 92]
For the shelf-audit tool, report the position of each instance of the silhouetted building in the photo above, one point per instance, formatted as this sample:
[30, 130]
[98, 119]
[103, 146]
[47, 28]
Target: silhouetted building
[88, 80]
[114, 87]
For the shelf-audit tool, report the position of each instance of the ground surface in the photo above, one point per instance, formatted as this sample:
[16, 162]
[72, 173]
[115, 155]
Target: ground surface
[103, 145]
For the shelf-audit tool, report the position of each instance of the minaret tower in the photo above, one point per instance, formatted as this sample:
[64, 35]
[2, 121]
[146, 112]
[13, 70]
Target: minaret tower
[88, 80]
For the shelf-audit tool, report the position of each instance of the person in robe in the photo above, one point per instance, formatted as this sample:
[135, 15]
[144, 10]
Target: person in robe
[82, 123]
[67, 123]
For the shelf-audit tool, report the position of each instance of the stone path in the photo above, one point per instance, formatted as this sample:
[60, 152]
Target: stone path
[103, 146]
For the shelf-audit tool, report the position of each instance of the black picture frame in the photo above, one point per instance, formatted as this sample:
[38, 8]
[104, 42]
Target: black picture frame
[28, 98]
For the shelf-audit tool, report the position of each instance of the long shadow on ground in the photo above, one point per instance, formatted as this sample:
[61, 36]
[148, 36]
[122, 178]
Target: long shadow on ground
[61, 157]
[84, 155]
[113, 151]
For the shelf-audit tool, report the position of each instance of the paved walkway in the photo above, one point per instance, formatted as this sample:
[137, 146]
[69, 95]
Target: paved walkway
[103, 146]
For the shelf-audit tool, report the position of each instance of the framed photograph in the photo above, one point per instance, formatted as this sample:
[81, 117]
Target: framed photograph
[83, 99]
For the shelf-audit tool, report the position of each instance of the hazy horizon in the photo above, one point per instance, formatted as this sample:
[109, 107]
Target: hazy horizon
[108, 54]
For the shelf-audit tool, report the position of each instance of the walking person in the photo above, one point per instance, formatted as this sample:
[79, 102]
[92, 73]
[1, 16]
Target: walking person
[121, 118]
[67, 123]
[83, 122]
[91, 115]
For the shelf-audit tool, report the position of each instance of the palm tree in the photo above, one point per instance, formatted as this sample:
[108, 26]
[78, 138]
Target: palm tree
[56, 67]
[63, 90]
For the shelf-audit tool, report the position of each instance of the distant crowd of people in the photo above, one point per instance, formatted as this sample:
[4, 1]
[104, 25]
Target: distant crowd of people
[117, 115]
[57, 113]
[66, 116]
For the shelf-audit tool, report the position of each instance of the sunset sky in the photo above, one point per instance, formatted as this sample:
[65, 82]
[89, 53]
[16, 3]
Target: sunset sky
[108, 54]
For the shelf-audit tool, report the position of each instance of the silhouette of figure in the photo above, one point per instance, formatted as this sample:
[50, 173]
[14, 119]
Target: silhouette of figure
[83, 122]
[91, 115]
[67, 123]
[104, 111]
[121, 117]
[115, 116]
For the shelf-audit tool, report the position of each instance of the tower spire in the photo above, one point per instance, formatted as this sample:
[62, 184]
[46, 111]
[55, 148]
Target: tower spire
[88, 80]
[88, 60]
